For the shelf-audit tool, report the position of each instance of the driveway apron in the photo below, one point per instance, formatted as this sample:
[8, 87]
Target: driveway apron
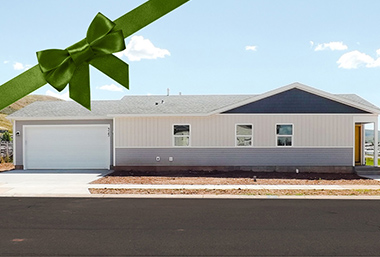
[47, 182]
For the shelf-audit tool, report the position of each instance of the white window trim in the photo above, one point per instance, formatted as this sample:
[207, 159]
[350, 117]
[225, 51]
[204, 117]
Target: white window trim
[292, 135]
[244, 124]
[174, 136]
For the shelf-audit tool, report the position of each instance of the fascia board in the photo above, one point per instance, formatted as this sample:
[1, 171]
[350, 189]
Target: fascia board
[61, 118]
[158, 115]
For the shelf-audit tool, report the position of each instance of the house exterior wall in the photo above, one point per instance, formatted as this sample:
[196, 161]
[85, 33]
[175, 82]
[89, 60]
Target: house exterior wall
[235, 157]
[19, 127]
[219, 130]
[318, 140]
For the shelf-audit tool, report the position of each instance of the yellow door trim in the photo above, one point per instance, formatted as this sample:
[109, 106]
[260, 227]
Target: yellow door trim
[358, 144]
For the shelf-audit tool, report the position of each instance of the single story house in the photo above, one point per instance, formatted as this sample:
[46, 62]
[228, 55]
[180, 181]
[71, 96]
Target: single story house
[292, 127]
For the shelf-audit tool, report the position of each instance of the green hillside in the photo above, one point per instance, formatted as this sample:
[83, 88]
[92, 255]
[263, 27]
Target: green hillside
[4, 122]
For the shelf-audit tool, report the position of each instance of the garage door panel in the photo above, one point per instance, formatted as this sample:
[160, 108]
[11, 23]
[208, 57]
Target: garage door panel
[67, 147]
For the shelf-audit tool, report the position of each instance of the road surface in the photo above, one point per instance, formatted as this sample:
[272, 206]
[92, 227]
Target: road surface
[188, 227]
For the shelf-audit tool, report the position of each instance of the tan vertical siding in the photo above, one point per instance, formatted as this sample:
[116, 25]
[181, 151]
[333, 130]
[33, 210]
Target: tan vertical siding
[219, 130]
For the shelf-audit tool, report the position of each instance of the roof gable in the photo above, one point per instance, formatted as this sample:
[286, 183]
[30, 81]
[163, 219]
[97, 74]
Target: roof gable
[295, 100]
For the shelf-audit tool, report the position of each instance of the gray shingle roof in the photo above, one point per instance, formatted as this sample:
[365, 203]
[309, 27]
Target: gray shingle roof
[133, 105]
[357, 99]
[147, 105]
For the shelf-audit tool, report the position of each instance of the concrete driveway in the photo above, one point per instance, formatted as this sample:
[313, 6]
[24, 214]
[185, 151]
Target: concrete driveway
[48, 182]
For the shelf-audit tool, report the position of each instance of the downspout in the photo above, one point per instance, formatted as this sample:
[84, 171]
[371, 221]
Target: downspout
[14, 142]
[113, 142]
[376, 143]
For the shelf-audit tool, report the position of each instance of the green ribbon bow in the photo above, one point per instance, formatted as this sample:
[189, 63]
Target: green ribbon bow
[71, 65]
[59, 67]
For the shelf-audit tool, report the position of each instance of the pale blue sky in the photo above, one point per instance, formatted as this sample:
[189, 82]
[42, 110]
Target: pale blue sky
[212, 46]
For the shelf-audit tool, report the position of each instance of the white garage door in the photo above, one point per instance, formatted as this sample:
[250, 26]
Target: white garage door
[67, 147]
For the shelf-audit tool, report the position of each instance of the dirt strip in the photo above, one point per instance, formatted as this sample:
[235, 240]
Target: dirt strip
[261, 179]
[6, 166]
[268, 192]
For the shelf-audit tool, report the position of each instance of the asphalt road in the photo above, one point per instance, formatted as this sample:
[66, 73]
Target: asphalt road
[188, 227]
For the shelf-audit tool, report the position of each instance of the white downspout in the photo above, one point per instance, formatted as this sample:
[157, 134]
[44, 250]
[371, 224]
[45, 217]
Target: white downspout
[113, 142]
[376, 143]
[14, 142]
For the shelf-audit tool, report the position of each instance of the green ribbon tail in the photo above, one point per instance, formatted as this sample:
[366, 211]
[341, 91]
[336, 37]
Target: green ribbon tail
[145, 14]
[79, 86]
[113, 67]
[21, 86]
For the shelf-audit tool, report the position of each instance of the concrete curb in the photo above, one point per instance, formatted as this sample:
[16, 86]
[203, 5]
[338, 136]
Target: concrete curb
[168, 196]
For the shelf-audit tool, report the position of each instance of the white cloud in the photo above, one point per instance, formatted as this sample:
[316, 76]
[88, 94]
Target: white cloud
[378, 52]
[111, 87]
[20, 66]
[253, 48]
[139, 48]
[332, 46]
[311, 43]
[356, 59]
[6, 62]
[64, 96]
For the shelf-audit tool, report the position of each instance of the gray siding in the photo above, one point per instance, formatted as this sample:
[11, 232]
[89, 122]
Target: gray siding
[234, 156]
[295, 101]
[19, 127]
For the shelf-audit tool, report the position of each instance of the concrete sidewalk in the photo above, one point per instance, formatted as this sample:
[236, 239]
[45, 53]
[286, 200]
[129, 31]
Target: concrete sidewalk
[76, 183]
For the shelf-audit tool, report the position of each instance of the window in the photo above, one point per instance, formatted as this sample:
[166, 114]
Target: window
[181, 135]
[243, 135]
[284, 134]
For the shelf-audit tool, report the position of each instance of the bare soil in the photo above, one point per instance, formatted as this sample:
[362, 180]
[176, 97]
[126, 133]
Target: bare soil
[261, 192]
[233, 178]
[6, 166]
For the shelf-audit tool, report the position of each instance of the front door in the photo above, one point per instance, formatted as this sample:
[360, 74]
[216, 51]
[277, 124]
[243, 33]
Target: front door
[358, 144]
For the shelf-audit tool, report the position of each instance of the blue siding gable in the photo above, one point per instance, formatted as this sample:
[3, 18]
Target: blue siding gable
[295, 101]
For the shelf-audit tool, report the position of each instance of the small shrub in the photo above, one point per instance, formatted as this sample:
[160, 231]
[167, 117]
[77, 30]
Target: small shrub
[6, 137]
[6, 159]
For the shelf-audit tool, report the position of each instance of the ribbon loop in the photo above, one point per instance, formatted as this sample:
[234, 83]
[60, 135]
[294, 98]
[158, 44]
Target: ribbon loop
[99, 27]
[59, 67]
[51, 59]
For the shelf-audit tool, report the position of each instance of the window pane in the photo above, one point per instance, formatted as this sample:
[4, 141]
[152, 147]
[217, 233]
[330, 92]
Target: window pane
[181, 141]
[244, 141]
[284, 129]
[284, 141]
[181, 130]
[243, 130]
